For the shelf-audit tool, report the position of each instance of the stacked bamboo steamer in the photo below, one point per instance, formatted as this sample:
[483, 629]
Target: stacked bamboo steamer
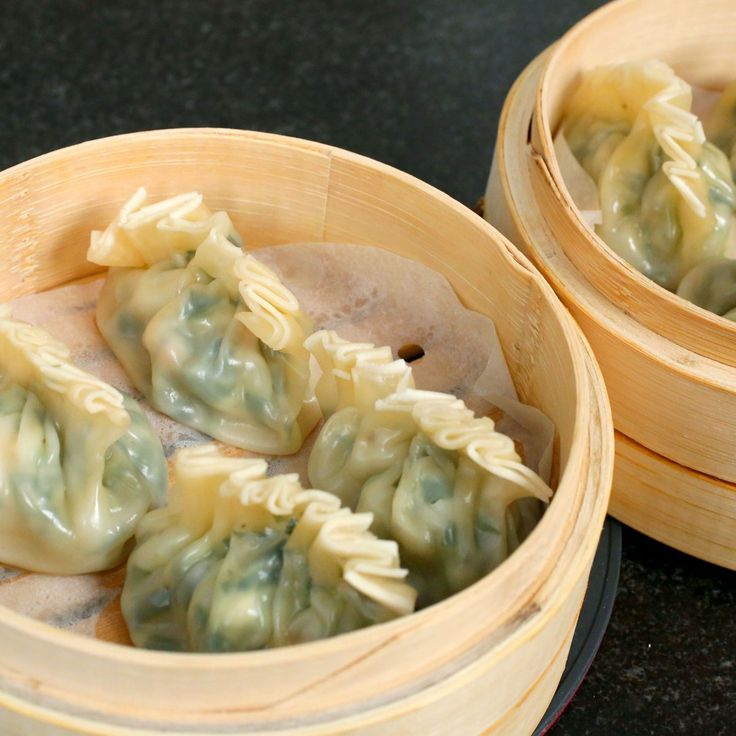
[486, 660]
[669, 366]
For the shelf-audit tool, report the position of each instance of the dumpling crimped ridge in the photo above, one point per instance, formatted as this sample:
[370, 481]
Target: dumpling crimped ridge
[339, 541]
[34, 359]
[452, 426]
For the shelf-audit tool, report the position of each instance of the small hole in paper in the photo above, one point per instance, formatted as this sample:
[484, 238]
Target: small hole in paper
[411, 352]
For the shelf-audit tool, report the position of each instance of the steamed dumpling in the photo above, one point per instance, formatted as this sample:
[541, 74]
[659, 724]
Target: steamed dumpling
[666, 195]
[207, 333]
[79, 463]
[239, 561]
[712, 286]
[440, 481]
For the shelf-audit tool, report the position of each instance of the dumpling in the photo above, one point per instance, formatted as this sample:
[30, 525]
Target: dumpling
[712, 286]
[720, 127]
[443, 483]
[79, 462]
[207, 333]
[239, 561]
[666, 195]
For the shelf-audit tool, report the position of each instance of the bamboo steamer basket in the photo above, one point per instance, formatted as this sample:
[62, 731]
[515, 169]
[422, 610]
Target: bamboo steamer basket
[432, 672]
[692, 392]
[674, 409]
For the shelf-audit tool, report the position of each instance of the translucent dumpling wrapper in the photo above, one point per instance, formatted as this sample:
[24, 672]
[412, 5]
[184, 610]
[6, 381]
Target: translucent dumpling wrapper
[666, 195]
[240, 561]
[712, 286]
[80, 464]
[448, 487]
[206, 332]
[720, 127]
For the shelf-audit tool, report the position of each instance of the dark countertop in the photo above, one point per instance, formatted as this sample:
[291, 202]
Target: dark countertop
[415, 84]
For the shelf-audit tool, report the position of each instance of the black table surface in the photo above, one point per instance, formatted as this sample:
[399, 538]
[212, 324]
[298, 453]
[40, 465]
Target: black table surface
[418, 85]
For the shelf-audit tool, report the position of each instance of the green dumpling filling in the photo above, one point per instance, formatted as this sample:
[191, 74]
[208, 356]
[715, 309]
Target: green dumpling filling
[209, 335]
[444, 484]
[82, 463]
[666, 195]
[255, 577]
[453, 520]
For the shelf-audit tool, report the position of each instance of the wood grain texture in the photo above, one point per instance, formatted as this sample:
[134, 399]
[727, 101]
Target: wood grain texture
[669, 404]
[697, 41]
[508, 634]
[693, 512]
